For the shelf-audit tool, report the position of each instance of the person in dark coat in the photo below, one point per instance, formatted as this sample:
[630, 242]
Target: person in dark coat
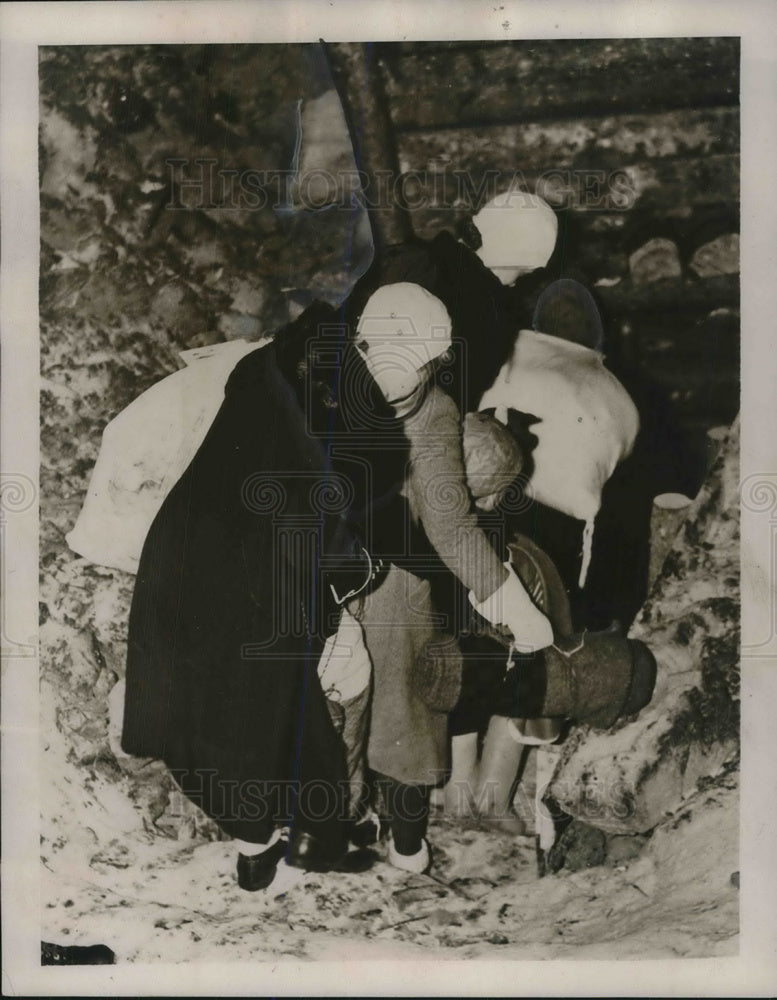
[229, 616]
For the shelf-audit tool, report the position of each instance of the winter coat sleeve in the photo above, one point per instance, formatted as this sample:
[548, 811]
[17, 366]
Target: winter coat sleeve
[440, 500]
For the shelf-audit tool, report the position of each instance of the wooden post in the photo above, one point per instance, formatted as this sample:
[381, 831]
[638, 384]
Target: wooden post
[357, 77]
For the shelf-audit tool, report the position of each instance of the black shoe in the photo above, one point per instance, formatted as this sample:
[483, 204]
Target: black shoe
[74, 954]
[367, 831]
[256, 871]
[315, 855]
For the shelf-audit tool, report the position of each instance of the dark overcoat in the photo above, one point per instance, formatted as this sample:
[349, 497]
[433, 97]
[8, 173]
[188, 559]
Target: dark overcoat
[230, 612]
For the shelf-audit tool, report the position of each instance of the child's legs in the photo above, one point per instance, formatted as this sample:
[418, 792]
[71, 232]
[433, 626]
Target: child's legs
[407, 807]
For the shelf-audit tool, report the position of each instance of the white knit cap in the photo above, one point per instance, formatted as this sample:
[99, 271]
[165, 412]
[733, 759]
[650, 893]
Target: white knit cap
[519, 232]
[403, 327]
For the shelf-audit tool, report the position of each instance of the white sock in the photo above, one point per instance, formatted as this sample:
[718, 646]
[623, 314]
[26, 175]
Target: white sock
[251, 850]
[416, 863]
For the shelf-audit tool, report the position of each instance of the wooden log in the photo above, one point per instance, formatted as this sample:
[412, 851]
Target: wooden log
[359, 86]
[452, 45]
[706, 346]
[664, 297]
[597, 141]
[604, 234]
[714, 397]
[699, 181]
[669, 512]
[628, 779]
[658, 186]
[598, 244]
[530, 80]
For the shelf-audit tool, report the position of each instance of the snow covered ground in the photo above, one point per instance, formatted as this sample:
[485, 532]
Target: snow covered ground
[111, 876]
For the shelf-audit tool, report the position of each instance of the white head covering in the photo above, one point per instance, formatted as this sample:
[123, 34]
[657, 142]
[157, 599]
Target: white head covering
[519, 232]
[403, 327]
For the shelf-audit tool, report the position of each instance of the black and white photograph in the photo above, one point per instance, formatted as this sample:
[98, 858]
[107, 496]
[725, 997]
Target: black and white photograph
[390, 441]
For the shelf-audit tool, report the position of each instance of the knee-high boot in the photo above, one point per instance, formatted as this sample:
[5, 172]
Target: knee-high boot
[501, 755]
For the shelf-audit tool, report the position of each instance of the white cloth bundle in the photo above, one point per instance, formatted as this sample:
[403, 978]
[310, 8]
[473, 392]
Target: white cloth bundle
[144, 452]
[587, 421]
[345, 666]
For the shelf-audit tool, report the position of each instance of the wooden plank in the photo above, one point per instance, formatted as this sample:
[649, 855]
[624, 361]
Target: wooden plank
[598, 142]
[532, 80]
